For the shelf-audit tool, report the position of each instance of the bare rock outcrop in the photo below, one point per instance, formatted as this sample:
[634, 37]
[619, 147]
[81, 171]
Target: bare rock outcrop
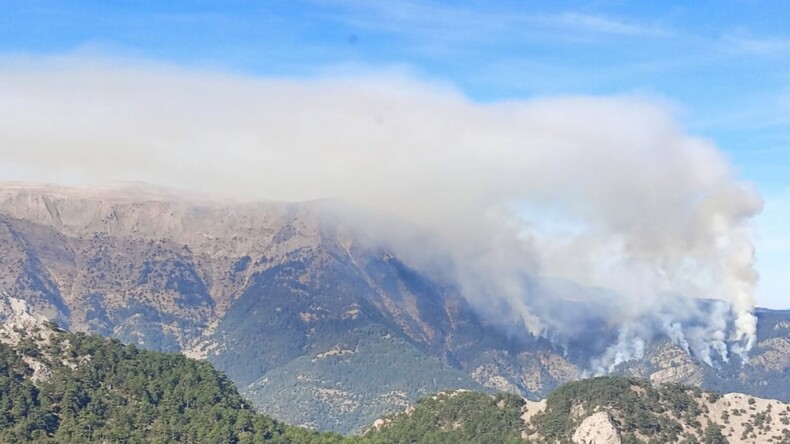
[17, 320]
[597, 429]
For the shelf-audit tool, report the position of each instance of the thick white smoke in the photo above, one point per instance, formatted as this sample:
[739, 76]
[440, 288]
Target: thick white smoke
[602, 191]
[698, 328]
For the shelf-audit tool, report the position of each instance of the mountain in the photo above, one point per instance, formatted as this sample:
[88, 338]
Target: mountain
[765, 374]
[58, 387]
[605, 410]
[455, 417]
[260, 290]
[317, 321]
[634, 410]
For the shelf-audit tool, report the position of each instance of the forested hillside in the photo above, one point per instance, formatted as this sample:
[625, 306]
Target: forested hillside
[76, 388]
[631, 410]
[59, 387]
[454, 417]
[610, 410]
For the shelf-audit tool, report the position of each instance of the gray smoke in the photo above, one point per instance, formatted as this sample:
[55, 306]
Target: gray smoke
[699, 328]
[606, 192]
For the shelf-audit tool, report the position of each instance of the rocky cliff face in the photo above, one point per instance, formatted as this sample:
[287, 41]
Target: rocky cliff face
[300, 307]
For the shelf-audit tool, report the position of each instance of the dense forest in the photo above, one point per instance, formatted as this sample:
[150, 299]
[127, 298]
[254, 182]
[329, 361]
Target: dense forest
[99, 390]
[455, 417]
[639, 404]
[78, 388]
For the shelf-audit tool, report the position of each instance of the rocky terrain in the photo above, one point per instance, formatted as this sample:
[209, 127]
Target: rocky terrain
[621, 410]
[65, 387]
[765, 373]
[316, 321]
[606, 410]
[61, 387]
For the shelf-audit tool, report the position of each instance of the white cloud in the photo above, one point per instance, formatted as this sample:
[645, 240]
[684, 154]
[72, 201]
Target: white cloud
[765, 46]
[605, 25]
[429, 22]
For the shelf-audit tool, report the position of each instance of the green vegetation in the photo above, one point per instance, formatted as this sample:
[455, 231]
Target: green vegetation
[97, 390]
[641, 409]
[370, 373]
[58, 387]
[713, 435]
[456, 417]
[119, 393]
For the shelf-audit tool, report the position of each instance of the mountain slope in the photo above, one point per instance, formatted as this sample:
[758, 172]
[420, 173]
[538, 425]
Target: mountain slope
[765, 374]
[608, 410]
[262, 289]
[454, 417]
[61, 387]
[638, 411]
[250, 287]
[371, 373]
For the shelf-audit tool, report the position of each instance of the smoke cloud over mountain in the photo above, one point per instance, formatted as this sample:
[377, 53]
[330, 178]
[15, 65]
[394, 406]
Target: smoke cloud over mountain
[593, 192]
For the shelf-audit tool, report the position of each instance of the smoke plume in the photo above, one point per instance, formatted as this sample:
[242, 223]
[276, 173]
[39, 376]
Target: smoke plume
[540, 204]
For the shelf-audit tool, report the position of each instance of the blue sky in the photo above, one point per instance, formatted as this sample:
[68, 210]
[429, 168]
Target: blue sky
[724, 65]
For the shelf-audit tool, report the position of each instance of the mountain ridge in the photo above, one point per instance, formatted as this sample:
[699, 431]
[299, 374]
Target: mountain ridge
[264, 288]
[67, 387]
